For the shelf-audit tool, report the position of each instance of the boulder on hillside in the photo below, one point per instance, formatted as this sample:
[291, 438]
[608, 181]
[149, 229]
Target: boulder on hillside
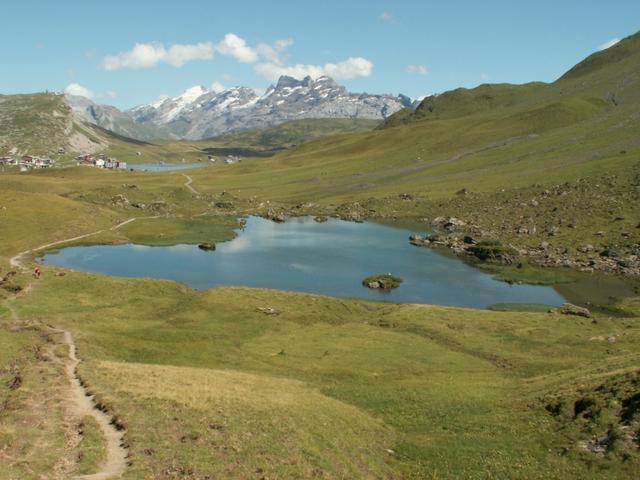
[571, 309]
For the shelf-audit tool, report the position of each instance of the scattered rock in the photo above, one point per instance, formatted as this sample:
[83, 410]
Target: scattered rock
[609, 253]
[571, 309]
[493, 251]
[120, 200]
[274, 216]
[267, 310]
[157, 205]
[207, 246]
[450, 224]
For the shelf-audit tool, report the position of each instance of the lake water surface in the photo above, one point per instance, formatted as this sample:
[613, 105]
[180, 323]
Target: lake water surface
[165, 167]
[329, 258]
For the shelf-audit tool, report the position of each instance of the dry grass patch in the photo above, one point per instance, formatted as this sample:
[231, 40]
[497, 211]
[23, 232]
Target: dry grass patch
[231, 424]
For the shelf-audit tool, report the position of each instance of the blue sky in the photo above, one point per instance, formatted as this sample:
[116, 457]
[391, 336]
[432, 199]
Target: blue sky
[410, 47]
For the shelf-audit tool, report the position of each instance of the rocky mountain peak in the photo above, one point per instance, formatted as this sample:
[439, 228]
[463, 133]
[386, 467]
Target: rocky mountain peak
[285, 81]
[200, 112]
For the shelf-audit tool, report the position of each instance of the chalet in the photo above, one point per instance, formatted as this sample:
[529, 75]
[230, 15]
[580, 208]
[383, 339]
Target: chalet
[33, 161]
[43, 162]
[102, 161]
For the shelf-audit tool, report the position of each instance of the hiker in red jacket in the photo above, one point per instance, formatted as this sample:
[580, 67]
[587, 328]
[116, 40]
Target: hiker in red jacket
[37, 272]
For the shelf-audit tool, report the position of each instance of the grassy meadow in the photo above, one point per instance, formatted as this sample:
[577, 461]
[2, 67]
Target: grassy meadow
[333, 388]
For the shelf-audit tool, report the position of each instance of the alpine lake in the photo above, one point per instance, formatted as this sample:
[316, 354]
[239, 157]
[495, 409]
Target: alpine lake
[329, 258]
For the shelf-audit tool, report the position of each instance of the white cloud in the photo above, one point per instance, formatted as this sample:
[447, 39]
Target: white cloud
[283, 43]
[79, 90]
[419, 69]
[608, 44]
[147, 55]
[386, 17]
[178, 55]
[235, 46]
[217, 87]
[272, 53]
[351, 68]
[142, 55]
[272, 71]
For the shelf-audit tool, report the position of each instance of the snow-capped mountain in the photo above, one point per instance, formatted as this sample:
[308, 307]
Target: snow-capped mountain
[199, 113]
[202, 113]
[167, 109]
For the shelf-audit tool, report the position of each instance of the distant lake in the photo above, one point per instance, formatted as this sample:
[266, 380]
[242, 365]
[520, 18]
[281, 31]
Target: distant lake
[165, 167]
[302, 255]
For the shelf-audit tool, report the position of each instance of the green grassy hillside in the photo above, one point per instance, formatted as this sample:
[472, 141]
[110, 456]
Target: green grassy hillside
[290, 134]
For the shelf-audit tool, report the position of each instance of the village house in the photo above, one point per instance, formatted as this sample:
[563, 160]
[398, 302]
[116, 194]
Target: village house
[102, 161]
[33, 161]
[43, 162]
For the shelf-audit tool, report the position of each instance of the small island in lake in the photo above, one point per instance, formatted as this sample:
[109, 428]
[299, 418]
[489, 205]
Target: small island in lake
[382, 282]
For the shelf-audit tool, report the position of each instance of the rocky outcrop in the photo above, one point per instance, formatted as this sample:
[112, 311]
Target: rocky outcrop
[571, 309]
[275, 216]
[488, 250]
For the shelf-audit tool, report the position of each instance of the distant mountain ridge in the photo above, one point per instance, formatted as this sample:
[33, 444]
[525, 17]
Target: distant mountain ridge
[201, 113]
